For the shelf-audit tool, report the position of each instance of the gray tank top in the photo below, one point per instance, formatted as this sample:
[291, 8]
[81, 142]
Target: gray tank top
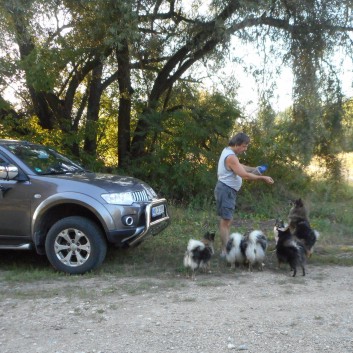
[225, 175]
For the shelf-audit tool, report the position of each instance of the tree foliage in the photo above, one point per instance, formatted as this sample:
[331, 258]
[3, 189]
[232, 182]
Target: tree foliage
[185, 155]
[80, 66]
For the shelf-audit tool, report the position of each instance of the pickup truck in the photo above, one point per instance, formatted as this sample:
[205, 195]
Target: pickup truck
[53, 205]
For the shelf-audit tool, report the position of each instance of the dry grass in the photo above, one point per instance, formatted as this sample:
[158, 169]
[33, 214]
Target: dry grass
[317, 170]
[162, 256]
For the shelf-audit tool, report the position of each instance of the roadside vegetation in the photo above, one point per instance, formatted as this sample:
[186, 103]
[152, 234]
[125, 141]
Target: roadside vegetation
[123, 87]
[162, 256]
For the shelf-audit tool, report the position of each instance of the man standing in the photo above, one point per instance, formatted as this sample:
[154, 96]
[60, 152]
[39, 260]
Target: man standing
[230, 176]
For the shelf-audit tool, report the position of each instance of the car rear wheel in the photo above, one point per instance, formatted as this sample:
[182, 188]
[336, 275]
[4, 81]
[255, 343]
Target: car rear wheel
[75, 245]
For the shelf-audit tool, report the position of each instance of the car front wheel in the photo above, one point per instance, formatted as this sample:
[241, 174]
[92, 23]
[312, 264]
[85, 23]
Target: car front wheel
[75, 245]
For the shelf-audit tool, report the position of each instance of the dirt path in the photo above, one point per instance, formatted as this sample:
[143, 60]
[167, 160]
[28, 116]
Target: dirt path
[253, 312]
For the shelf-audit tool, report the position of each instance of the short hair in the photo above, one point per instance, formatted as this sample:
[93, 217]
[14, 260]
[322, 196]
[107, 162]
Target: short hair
[239, 139]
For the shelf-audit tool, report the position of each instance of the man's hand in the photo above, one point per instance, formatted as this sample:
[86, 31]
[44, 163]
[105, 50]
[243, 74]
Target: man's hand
[267, 179]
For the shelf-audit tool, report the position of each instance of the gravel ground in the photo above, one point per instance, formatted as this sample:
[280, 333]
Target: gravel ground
[258, 312]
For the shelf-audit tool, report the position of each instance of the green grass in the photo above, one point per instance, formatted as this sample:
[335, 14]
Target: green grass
[162, 256]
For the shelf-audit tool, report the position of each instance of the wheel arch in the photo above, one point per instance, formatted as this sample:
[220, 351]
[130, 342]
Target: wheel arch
[58, 207]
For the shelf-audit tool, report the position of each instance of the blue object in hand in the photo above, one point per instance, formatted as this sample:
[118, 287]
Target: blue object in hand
[263, 168]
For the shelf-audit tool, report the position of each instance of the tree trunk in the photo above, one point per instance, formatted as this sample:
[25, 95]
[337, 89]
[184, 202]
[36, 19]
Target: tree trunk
[26, 46]
[124, 117]
[202, 43]
[95, 93]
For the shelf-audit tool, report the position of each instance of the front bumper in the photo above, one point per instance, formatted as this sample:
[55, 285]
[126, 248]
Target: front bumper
[153, 225]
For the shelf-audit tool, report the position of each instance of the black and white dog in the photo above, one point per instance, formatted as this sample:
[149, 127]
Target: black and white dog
[247, 249]
[234, 255]
[254, 247]
[290, 250]
[199, 252]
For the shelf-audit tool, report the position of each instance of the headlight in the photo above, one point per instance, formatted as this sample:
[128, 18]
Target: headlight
[122, 198]
[151, 193]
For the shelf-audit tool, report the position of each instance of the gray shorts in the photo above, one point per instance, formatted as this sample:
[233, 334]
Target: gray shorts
[225, 200]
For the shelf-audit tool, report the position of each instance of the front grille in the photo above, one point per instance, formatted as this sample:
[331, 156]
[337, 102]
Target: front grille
[140, 196]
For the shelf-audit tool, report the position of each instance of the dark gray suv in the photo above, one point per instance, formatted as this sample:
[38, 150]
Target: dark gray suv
[51, 204]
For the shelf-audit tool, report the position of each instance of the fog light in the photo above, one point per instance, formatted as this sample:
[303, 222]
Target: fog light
[128, 220]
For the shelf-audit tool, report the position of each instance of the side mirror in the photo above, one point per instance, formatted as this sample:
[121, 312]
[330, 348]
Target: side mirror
[8, 172]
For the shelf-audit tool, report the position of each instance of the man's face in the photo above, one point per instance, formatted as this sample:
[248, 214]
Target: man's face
[241, 148]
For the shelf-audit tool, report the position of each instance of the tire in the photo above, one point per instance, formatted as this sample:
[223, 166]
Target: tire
[75, 245]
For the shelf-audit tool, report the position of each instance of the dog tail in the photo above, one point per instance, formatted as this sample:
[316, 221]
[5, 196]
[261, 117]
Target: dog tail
[237, 238]
[258, 237]
[314, 236]
[234, 254]
[255, 235]
[194, 244]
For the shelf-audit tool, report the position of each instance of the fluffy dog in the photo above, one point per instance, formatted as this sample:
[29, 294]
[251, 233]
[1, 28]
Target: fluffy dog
[297, 213]
[199, 252]
[234, 254]
[253, 248]
[289, 250]
[308, 236]
[300, 228]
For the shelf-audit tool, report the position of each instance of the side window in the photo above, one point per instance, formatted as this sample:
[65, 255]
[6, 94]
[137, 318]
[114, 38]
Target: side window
[3, 162]
[3, 174]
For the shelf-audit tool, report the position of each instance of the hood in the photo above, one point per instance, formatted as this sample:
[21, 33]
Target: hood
[110, 182]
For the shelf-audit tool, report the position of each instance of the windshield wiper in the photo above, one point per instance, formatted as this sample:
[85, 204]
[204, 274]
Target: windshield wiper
[80, 171]
[55, 172]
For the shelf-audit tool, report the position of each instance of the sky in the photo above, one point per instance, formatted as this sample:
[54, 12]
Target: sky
[249, 87]
[247, 92]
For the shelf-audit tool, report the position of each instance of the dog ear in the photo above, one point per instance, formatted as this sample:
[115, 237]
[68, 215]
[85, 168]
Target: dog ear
[299, 203]
[279, 223]
[210, 236]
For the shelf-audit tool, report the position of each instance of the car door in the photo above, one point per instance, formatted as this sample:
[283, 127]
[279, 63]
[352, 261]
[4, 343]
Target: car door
[15, 210]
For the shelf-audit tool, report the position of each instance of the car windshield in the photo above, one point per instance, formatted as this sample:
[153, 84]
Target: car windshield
[44, 160]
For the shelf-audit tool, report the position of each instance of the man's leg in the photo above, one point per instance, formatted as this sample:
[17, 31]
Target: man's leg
[225, 202]
[224, 230]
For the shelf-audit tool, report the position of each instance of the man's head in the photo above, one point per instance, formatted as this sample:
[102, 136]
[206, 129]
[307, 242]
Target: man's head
[239, 143]
[239, 139]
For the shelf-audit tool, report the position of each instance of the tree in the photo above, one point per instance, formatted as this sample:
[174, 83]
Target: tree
[145, 48]
[185, 155]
